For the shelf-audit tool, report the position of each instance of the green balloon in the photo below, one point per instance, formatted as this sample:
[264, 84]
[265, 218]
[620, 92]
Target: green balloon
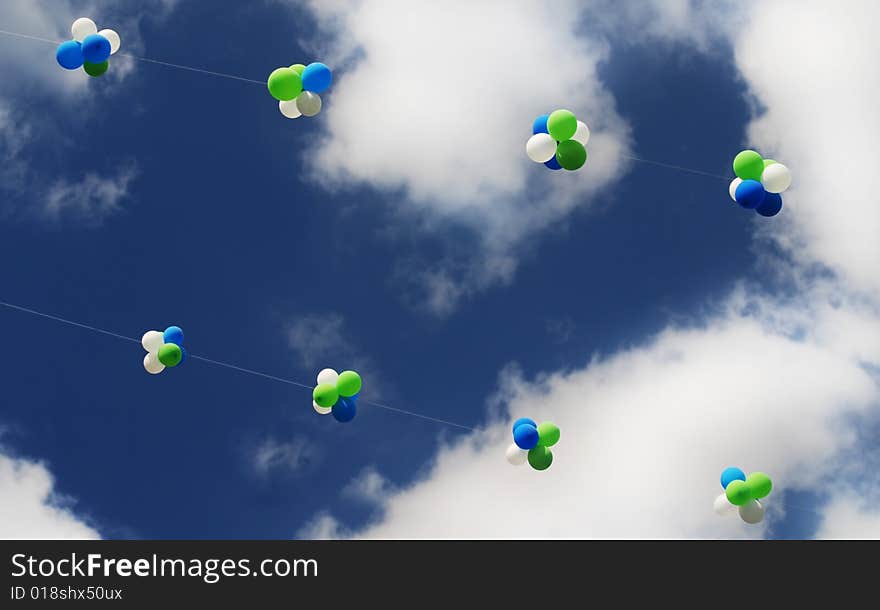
[768, 162]
[325, 395]
[285, 84]
[170, 354]
[348, 384]
[548, 434]
[571, 154]
[748, 165]
[540, 458]
[298, 68]
[96, 70]
[738, 492]
[759, 485]
[562, 124]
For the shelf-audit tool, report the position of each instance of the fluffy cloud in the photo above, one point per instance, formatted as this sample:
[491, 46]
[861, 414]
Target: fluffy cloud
[29, 508]
[289, 456]
[847, 518]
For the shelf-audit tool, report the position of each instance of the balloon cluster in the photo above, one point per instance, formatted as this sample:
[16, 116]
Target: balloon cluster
[337, 393]
[89, 49]
[743, 492]
[759, 182]
[558, 141]
[163, 349]
[296, 88]
[532, 442]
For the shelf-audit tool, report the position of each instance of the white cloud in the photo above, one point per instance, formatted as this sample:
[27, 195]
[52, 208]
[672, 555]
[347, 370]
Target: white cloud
[289, 456]
[31, 509]
[90, 199]
[847, 518]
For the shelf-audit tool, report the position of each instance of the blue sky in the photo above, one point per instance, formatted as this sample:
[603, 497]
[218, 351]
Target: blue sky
[225, 230]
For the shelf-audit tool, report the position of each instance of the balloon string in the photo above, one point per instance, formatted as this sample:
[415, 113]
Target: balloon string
[228, 365]
[678, 167]
[146, 59]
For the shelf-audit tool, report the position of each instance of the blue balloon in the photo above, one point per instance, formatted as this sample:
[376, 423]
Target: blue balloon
[525, 436]
[553, 163]
[770, 206]
[344, 410]
[540, 124]
[182, 355]
[316, 77]
[173, 334]
[524, 420]
[731, 473]
[750, 194]
[95, 49]
[69, 55]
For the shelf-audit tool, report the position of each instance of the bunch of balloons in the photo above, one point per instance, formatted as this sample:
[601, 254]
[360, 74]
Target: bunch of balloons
[163, 349]
[743, 492]
[532, 442]
[296, 88]
[337, 393]
[89, 49]
[558, 141]
[759, 182]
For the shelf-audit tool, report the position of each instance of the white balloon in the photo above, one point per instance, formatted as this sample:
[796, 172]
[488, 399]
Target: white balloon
[752, 512]
[288, 108]
[582, 134]
[723, 506]
[308, 103]
[516, 456]
[152, 341]
[541, 147]
[776, 178]
[152, 364]
[320, 409]
[328, 376]
[736, 182]
[83, 27]
[113, 37]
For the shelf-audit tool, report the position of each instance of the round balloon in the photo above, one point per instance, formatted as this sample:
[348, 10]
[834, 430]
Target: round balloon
[284, 84]
[298, 68]
[722, 506]
[82, 28]
[321, 410]
[113, 38]
[69, 55]
[541, 147]
[540, 124]
[95, 49]
[152, 341]
[96, 69]
[325, 395]
[748, 165]
[771, 206]
[348, 384]
[732, 188]
[173, 334]
[525, 436]
[562, 125]
[759, 484]
[750, 194]
[776, 178]
[344, 410]
[768, 162]
[515, 455]
[582, 134]
[738, 492]
[548, 434]
[289, 109]
[571, 155]
[553, 163]
[751, 512]
[540, 458]
[170, 354]
[182, 354]
[731, 473]
[152, 365]
[308, 103]
[524, 420]
[316, 77]
[328, 376]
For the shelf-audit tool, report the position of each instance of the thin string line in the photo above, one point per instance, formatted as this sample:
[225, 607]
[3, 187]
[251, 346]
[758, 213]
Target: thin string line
[678, 167]
[226, 364]
[146, 59]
